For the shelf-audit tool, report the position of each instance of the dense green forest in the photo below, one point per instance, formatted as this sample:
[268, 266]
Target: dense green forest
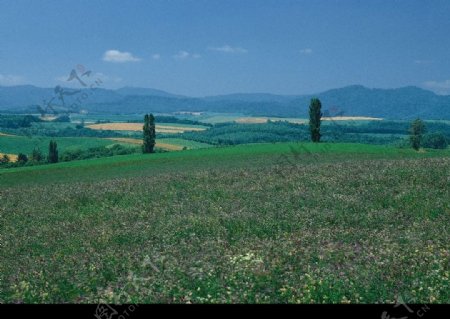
[376, 132]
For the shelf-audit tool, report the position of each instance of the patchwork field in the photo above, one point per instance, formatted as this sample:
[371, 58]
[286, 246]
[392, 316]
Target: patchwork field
[160, 128]
[276, 223]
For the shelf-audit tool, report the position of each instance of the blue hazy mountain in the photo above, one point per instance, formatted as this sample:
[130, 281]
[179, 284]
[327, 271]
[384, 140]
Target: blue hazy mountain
[356, 100]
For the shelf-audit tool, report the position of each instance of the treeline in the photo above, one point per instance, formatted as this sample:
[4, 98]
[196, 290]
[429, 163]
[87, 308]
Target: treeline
[78, 131]
[388, 127]
[232, 133]
[38, 158]
[380, 132]
[17, 121]
[173, 119]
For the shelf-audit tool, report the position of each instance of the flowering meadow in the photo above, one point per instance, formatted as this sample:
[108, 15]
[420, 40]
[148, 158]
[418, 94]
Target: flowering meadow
[359, 229]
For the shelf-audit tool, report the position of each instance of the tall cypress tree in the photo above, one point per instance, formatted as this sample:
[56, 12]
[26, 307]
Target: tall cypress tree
[152, 125]
[52, 152]
[149, 134]
[315, 116]
[416, 133]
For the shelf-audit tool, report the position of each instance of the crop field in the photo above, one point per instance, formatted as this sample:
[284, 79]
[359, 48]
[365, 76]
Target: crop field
[160, 128]
[287, 222]
[12, 157]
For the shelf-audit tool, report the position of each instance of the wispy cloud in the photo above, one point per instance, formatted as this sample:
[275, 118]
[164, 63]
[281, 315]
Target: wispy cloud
[439, 87]
[228, 49]
[423, 61]
[156, 56]
[306, 51]
[183, 55]
[9, 80]
[119, 57]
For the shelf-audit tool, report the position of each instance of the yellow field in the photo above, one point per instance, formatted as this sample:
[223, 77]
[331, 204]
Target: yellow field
[251, 120]
[138, 127]
[169, 147]
[12, 157]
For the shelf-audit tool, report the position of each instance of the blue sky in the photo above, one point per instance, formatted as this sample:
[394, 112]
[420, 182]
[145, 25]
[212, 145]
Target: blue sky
[208, 47]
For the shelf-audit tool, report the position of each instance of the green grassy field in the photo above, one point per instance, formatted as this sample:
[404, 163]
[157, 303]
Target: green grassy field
[179, 141]
[25, 144]
[297, 223]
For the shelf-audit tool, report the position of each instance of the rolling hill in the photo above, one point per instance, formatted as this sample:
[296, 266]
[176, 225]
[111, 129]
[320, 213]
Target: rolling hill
[401, 103]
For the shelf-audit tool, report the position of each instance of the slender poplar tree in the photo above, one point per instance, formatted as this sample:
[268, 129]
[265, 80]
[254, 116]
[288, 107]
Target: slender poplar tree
[315, 116]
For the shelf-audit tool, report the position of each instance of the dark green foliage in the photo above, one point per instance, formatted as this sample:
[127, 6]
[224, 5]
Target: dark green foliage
[36, 155]
[97, 152]
[81, 125]
[17, 121]
[232, 133]
[22, 158]
[373, 132]
[62, 119]
[416, 133]
[149, 134]
[52, 152]
[435, 140]
[174, 119]
[69, 131]
[315, 116]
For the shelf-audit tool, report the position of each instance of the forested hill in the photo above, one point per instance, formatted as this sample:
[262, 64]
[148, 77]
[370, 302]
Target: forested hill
[401, 103]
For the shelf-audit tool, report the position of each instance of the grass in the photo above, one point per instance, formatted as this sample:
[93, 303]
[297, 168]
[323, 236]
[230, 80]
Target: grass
[170, 144]
[184, 143]
[288, 223]
[24, 144]
[241, 156]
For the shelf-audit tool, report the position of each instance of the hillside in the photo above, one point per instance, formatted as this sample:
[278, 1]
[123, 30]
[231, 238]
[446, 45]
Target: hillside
[260, 223]
[401, 103]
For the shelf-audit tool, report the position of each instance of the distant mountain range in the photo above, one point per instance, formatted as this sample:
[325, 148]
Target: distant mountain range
[402, 103]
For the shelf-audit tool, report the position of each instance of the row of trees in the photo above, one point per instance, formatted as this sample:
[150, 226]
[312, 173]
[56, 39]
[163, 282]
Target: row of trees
[36, 156]
[417, 129]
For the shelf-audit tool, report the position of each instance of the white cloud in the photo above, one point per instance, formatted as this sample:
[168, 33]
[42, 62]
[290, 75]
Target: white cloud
[306, 51]
[228, 49]
[439, 87]
[119, 57]
[156, 56]
[183, 55]
[9, 80]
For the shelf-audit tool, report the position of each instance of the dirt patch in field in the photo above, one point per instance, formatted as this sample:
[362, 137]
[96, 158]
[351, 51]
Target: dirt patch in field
[12, 157]
[138, 127]
[251, 120]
